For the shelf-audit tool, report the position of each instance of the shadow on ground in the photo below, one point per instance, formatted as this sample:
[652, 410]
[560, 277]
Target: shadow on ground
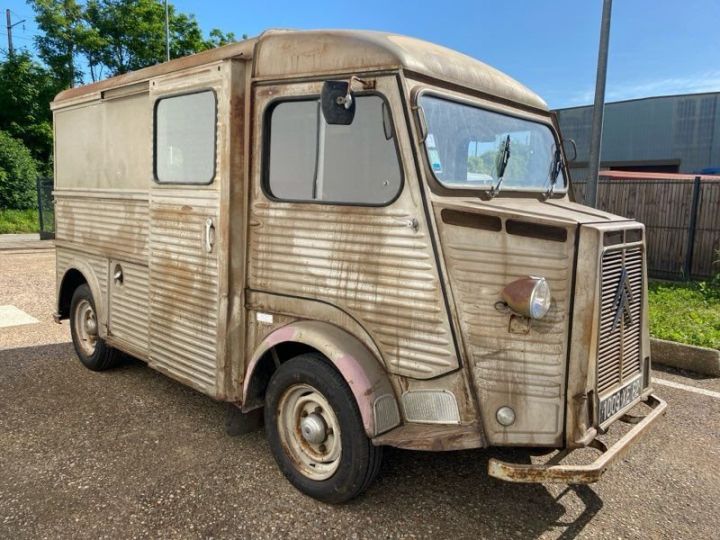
[693, 375]
[130, 453]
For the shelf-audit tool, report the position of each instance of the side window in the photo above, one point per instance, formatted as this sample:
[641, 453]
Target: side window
[185, 128]
[310, 160]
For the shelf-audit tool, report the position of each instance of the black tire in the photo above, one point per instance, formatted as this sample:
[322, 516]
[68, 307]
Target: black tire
[103, 356]
[360, 460]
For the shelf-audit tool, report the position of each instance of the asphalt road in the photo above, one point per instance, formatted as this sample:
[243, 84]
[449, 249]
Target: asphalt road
[129, 453]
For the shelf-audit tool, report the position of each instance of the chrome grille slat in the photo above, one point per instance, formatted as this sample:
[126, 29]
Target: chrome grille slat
[618, 357]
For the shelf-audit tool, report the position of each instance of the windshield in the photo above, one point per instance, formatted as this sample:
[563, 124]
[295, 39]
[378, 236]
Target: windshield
[466, 147]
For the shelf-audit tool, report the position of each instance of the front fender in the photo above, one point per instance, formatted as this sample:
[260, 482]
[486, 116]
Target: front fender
[359, 367]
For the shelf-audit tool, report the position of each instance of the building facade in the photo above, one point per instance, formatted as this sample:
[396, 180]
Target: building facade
[675, 134]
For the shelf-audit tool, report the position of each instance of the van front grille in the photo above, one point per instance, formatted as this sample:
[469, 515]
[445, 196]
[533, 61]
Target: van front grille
[620, 317]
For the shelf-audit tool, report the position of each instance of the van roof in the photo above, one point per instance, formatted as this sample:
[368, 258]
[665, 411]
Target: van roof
[291, 53]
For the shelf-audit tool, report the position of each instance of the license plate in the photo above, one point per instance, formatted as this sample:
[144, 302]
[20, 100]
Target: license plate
[619, 399]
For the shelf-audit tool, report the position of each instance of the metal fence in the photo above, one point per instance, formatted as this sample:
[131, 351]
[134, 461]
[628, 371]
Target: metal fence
[46, 208]
[681, 214]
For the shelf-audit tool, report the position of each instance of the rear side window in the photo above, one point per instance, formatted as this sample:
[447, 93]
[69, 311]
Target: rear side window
[310, 160]
[185, 138]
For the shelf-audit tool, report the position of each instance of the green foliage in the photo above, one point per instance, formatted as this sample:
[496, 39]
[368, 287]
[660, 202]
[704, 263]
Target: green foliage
[26, 89]
[715, 280]
[18, 174]
[63, 32]
[111, 37]
[217, 38]
[482, 164]
[19, 221]
[516, 168]
[686, 312]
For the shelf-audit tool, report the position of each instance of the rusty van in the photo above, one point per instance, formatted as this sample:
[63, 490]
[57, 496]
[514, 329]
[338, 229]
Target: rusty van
[368, 239]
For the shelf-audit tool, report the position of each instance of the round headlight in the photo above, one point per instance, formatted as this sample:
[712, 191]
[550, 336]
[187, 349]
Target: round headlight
[540, 300]
[528, 296]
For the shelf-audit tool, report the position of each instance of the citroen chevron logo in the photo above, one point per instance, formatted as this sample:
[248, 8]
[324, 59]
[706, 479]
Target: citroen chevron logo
[621, 302]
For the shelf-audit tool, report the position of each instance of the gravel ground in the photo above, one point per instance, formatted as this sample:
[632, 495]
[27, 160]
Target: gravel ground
[131, 454]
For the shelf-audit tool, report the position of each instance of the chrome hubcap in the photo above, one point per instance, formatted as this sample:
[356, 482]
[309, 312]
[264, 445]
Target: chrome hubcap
[309, 431]
[86, 327]
[313, 428]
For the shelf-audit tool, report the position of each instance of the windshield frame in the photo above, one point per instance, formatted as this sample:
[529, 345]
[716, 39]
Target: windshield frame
[503, 108]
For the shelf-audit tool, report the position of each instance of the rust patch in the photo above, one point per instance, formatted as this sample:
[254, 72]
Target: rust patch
[436, 438]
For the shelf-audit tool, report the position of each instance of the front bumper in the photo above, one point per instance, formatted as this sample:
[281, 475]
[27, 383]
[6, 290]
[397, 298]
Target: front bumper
[554, 472]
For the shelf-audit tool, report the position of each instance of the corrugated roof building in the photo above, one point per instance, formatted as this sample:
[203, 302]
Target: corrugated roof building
[679, 134]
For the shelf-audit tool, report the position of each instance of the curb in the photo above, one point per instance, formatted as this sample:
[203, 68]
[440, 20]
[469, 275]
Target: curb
[39, 246]
[14, 244]
[689, 357]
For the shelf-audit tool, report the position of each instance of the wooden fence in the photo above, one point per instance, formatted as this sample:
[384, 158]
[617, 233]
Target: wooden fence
[681, 214]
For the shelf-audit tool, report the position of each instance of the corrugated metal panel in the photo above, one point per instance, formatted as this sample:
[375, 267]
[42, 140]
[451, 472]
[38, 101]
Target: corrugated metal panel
[619, 342]
[372, 264]
[522, 370]
[110, 225]
[183, 288]
[64, 260]
[129, 306]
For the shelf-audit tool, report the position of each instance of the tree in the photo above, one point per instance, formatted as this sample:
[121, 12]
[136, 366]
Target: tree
[26, 89]
[217, 38]
[112, 37]
[80, 41]
[63, 28]
[18, 174]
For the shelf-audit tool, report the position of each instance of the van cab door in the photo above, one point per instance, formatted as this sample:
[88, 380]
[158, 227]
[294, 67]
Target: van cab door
[337, 222]
[186, 243]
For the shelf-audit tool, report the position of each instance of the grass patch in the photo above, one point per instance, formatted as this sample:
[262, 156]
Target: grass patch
[686, 312]
[19, 221]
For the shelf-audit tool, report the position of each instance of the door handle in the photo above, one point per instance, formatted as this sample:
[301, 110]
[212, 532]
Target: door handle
[118, 277]
[209, 235]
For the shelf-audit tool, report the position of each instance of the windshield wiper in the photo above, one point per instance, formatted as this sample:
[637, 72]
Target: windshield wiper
[500, 165]
[555, 168]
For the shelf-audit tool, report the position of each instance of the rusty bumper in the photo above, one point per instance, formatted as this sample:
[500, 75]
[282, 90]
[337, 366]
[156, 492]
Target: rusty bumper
[554, 472]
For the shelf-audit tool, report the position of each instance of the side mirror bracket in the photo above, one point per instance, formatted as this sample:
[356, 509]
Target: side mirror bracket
[337, 100]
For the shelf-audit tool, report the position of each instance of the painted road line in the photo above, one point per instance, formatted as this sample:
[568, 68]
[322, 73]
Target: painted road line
[702, 391]
[12, 316]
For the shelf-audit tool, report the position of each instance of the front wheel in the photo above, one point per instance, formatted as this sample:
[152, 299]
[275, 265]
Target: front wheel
[316, 432]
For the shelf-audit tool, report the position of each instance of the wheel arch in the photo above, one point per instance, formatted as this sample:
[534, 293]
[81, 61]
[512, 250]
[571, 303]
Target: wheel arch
[362, 371]
[78, 273]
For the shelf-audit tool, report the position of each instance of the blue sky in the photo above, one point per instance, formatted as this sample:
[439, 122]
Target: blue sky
[657, 47]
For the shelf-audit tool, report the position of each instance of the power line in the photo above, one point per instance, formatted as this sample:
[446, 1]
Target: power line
[15, 36]
[29, 37]
[21, 14]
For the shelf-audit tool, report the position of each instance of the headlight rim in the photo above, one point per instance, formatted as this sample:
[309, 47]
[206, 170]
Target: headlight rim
[521, 296]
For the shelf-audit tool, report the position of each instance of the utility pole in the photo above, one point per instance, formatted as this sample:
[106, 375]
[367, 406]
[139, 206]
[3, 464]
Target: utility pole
[9, 32]
[10, 26]
[598, 108]
[167, 31]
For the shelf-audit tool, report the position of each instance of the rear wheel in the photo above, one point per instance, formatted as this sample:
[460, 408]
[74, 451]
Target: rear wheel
[316, 432]
[92, 350]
